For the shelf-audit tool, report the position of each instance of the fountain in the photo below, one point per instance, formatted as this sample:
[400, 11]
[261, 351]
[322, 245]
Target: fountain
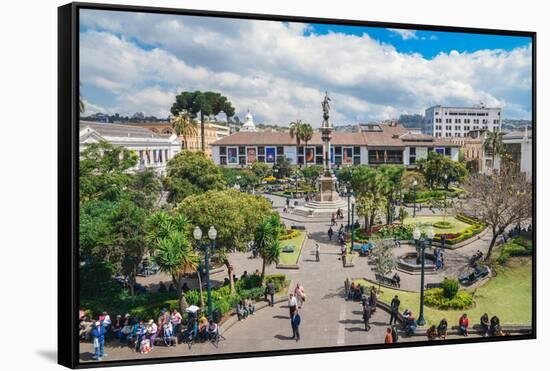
[410, 263]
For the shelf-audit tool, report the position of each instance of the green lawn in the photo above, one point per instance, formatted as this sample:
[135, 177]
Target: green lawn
[425, 221]
[508, 295]
[292, 258]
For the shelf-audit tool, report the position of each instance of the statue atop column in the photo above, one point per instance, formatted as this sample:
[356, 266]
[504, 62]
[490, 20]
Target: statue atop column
[326, 110]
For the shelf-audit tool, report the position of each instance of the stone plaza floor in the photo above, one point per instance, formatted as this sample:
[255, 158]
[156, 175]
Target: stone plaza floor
[327, 318]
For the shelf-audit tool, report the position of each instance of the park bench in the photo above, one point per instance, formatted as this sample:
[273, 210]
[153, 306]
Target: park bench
[288, 249]
[389, 281]
[298, 227]
[469, 279]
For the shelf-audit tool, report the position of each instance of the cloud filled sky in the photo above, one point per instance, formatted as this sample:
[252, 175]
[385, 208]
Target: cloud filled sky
[132, 62]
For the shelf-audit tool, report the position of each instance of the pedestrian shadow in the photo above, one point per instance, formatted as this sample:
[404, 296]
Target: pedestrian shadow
[283, 337]
[280, 317]
[350, 321]
[378, 323]
[356, 329]
[87, 357]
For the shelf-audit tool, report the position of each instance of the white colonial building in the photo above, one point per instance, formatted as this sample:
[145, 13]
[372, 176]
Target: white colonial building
[448, 122]
[372, 144]
[154, 150]
[519, 147]
[248, 123]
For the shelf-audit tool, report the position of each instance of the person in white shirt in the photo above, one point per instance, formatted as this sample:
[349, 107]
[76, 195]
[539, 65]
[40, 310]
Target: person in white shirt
[151, 332]
[292, 304]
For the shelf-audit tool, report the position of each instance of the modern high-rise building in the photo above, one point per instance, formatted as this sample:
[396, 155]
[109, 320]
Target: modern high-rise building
[449, 122]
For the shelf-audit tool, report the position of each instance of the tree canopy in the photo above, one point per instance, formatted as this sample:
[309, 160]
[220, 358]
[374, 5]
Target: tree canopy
[190, 173]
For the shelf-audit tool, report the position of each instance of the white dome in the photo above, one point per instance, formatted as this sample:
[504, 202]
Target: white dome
[249, 123]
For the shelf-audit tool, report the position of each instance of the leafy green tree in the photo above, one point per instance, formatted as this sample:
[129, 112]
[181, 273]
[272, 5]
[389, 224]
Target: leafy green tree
[390, 184]
[244, 178]
[266, 240]
[174, 255]
[234, 215]
[439, 170]
[144, 188]
[169, 243]
[191, 173]
[261, 169]
[312, 173]
[201, 103]
[369, 206]
[124, 244]
[104, 171]
[282, 167]
[184, 126]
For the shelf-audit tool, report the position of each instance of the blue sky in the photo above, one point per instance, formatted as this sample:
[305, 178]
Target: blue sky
[138, 62]
[428, 43]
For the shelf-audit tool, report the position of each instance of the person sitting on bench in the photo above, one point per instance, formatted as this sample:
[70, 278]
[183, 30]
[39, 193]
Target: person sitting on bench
[463, 324]
[442, 329]
[494, 328]
[431, 333]
[241, 311]
[212, 331]
[484, 323]
[397, 279]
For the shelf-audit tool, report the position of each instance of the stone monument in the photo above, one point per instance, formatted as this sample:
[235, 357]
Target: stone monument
[327, 201]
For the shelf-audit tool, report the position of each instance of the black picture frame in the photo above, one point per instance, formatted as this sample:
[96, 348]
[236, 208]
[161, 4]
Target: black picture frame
[68, 201]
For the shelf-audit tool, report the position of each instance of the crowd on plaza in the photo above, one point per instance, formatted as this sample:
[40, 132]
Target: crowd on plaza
[169, 329]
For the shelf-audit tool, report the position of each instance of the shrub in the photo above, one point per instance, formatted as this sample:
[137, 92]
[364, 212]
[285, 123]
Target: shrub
[450, 288]
[516, 247]
[278, 280]
[443, 224]
[435, 298]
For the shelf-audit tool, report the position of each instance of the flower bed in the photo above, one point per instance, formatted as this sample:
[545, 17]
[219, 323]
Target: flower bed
[289, 234]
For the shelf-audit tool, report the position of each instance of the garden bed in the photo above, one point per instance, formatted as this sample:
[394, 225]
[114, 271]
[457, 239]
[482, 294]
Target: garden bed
[507, 295]
[290, 259]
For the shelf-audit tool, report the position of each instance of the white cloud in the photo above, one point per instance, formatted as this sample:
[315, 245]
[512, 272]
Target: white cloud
[405, 34]
[281, 74]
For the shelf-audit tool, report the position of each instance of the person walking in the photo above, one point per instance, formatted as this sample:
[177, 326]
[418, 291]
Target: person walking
[300, 295]
[295, 323]
[394, 309]
[367, 312]
[98, 335]
[270, 290]
[330, 233]
[292, 304]
[317, 252]
[343, 253]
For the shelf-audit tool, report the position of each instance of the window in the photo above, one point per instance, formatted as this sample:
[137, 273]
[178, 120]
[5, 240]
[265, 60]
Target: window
[457, 127]
[447, 151]
[448, 127]
[457, 121]
[394, 156]
[412, 155]
[376, 156]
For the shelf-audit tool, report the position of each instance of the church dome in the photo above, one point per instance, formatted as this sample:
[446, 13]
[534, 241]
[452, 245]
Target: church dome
[249, 123]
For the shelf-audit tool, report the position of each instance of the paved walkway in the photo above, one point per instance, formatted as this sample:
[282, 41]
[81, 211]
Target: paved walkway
[327, 319]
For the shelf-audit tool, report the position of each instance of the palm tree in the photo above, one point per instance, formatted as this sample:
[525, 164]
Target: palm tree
[266, 239]
[305, 133]
[493, 145]
[295, 133]
[175, 256]
[184, 126]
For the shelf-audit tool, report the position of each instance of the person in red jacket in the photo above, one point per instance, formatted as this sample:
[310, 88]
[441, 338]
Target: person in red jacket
[463, 324]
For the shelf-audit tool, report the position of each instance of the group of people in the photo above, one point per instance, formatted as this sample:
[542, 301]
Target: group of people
[474, 259]
[296, 300]
[338, 215]
[141, 335]
[245, 308]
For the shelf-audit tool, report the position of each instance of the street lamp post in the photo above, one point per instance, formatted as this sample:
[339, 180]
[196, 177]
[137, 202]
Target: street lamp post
[212, 234]
[421, 247]
[348, 191]
[414, 184]
[352, 226]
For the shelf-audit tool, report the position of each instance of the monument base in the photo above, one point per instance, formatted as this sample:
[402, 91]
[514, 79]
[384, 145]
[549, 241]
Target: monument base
[326, 202]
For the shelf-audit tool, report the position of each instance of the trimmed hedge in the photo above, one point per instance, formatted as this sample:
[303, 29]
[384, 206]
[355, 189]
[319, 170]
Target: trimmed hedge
[453, 238]
[436, 298]
[443, 225]
[516, 247]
